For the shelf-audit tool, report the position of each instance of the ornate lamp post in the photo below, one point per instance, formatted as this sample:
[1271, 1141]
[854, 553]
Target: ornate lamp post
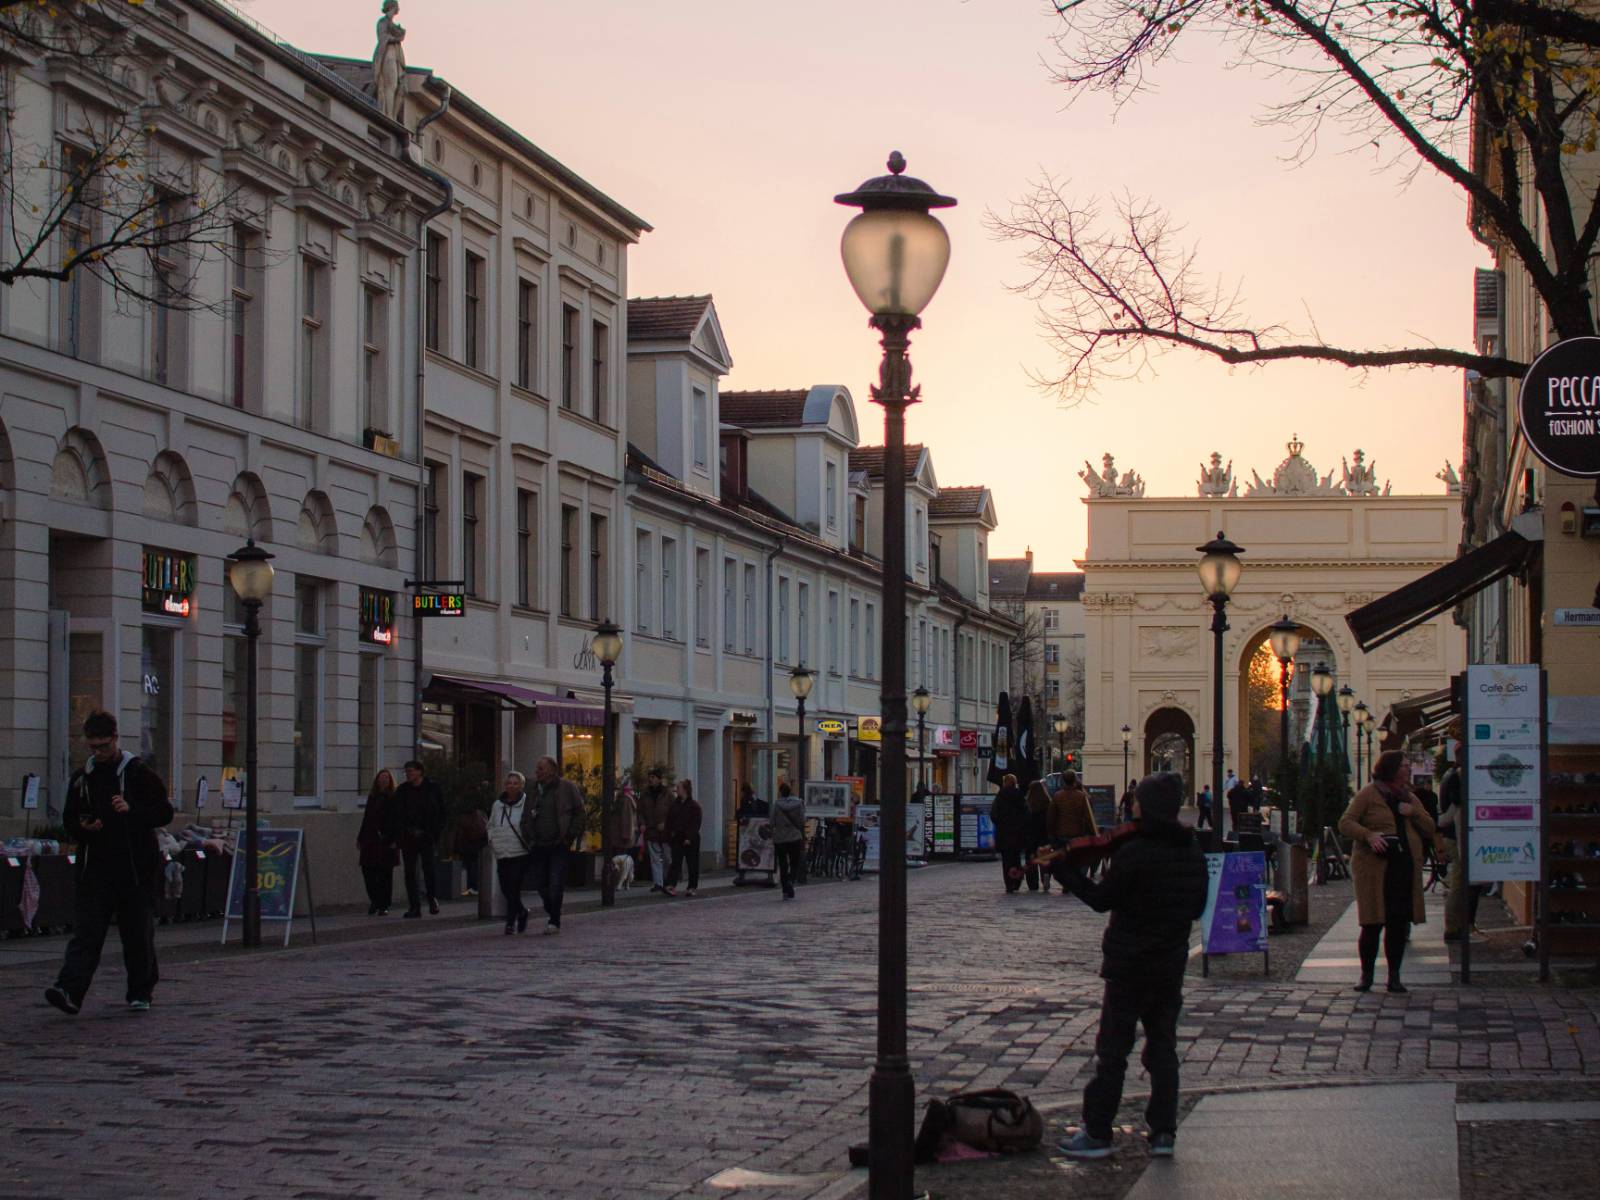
[1321, 687]
[800, 681]
[1061, 739]
[1361, 716]
[895, 254]
[1346, 699]
[1285, 639]
[250, 575]
[1219, 574]
[1127, 741]
[607, 646]
[920, 700]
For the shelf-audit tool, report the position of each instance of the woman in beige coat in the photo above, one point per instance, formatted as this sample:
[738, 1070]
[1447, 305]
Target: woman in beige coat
[1388, 826]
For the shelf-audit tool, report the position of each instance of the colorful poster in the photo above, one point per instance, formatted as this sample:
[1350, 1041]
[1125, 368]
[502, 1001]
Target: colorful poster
[944, 824]
[976, 828]
[1504, 854]
[868, 826]
[1235, 920]
[755, 844]
[278, 858]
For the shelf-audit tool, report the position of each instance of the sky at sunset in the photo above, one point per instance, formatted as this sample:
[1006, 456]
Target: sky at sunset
[729, 126]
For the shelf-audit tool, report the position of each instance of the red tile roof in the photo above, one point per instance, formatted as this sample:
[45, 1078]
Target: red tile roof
[957, 502]
[763, 410]
[665, 318]
[870, 459]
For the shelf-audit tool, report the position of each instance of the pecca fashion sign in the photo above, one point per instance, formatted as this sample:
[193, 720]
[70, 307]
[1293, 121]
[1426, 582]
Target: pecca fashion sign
[1558, 407]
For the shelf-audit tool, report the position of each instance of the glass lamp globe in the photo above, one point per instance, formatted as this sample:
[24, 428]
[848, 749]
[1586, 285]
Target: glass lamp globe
[894, 252]
[800, 681]
[1127, 735]
[606, 642]
[1219, 568]
[1346, 699]
[250, 573]
[1321, 679]
[921, 701]
[1285, 638]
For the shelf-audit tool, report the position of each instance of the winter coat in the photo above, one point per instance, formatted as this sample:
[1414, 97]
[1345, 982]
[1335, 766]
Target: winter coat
[470, 832]
[1009, 812]
[1369, 813]
[376, 838]
[623, 824]
[1038, 815]
[653, 807]
[1155, 889]
[125, 846]
[1070, 816]
[418, 814]
[505, 826]
[789, 820]
[564, 794]
[683, 821]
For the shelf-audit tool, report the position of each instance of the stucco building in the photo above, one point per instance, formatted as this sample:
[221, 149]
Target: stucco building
[1047, 657]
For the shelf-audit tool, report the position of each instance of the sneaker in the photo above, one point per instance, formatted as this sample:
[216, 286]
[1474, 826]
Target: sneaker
[551, 929]
[670, 893]
[433, 907]
[1163, 1145]
[138, 1006]
[57, 995]
[1082, 1145]
[692, 892]
[383, 912]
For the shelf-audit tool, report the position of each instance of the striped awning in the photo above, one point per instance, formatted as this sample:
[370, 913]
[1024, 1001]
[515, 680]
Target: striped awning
[550, 709]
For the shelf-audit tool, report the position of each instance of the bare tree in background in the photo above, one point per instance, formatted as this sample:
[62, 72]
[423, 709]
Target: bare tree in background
[1460, 88]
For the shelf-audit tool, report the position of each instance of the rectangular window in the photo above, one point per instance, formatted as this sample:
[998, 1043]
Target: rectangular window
[472, 496]
[313, 342]
[1052, 618]
[374, 337]
[430, 519]
[1052, 692]
[641, 581]
[472, 311]
[434, 299]
[854, 633]
[730, 602]
[569, 561]
[749, 608]
[702, 598]
[922, 651]
[159, 693]
[308, 626]
[599, 601]
[599, 372]
[669, 588]
[527, 547]
[1052, 655]
[921, 538]
[831, 497]
[169, 279]
[244, 328]
[569, 357]
[936, 565]
[834, 662]
[858, 523]
[701, 428]
[871, 655]
[235, 698]
[78, 294]
[527, 332]
[369, 717]
[783, 618]
[803, 618]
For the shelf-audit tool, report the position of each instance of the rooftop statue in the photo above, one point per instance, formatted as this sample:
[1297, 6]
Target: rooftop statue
[1451, 481]
[1216, 480]
[389, 62]
[1107, 485]
[1294, 477]
[1362, 479]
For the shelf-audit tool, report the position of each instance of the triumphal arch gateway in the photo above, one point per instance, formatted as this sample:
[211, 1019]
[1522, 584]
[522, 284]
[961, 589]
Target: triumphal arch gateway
[1317, 545]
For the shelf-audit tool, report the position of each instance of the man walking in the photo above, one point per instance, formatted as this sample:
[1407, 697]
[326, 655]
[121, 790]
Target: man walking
[1154, 888]
[552, 823]
[419, 816]
[788, 837]
[114, 806]
[654, 806]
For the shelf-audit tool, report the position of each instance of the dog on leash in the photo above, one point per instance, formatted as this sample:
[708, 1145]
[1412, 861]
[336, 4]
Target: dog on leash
[622, 868]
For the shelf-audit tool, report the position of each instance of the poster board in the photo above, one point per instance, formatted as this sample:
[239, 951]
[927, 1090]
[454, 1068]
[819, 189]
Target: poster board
[280, 858]
[827, 799]
[1103, 803]
[942, 831]
[1504, 778]
[869, 826]
[974, 825]
[755, 845]
[1235, 918]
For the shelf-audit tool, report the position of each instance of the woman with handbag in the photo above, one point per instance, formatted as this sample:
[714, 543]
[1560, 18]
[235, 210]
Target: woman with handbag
[375, 841]
[1389, 828]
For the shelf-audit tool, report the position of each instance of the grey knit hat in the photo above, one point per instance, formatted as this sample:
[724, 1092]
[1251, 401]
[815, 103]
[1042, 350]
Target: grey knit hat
[1160, 796]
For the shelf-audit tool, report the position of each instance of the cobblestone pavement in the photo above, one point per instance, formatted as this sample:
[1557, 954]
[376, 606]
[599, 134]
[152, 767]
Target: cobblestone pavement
[643, 1051]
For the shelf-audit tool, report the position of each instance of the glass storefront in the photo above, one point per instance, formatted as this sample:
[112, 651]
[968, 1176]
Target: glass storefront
[158, 690]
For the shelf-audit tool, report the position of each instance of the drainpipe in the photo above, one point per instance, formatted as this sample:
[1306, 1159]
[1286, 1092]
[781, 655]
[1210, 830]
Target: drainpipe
[422, 409]
[772, 715]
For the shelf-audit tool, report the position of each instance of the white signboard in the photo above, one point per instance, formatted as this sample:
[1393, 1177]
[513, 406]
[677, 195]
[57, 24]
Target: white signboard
[825, 798]
[1505, 854]
[1519, 731]
[1577, 616]
[30, 791]
[1503, 772]
[1499, 693]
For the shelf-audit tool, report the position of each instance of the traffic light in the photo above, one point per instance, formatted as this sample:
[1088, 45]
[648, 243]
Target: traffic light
[1072, 760]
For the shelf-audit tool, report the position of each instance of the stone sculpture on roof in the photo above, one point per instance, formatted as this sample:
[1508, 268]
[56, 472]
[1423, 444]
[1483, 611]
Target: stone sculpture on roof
[1216, 480]
[1294, 477]
[389, 62]
[1451, 481]
[1106, 485]
[1362, 479]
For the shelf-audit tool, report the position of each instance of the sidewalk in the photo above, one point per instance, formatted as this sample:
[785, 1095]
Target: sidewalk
[1337, 961]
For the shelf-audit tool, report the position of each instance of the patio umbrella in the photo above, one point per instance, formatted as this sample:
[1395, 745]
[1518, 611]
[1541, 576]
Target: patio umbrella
[1025, 768]
[1000, 764]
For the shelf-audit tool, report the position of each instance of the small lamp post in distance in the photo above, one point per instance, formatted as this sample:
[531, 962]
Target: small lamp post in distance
[607, 647]
[250, 575]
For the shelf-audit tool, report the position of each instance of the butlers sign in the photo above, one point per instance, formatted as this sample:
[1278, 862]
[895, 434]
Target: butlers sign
[1559, 407]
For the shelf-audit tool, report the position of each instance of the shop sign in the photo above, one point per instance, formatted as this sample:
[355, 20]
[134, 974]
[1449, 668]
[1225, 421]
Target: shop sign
[1586, 617]
[1558, 406]
[1500, 693]
[742, 720]
[167, 583]
[439, 604]
[858, 785]
[831, 727]
[1505, 854]
[869, 729]
[377, 616]
[969, 739]
[945, 737]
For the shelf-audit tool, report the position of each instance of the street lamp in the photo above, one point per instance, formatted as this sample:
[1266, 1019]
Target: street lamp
[1285, 638]
[1346, 699]
[895, 254]
[920, 700]
[800, 681]
[1219, 574]
[607, 647]
[1127, 740]
[250, 575]
[1061, 739]
[1361, 716]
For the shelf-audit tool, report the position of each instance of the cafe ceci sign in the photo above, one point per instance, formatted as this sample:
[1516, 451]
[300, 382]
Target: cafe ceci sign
[1558, 407]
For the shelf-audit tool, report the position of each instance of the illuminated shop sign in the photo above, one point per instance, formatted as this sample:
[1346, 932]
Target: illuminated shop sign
[167, 583]
[377, 617]
[439, 604]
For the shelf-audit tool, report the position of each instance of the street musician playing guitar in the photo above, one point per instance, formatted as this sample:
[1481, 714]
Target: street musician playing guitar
[1154, 887]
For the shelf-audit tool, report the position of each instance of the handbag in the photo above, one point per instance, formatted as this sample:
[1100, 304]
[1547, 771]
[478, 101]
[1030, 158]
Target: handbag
[995, 1119]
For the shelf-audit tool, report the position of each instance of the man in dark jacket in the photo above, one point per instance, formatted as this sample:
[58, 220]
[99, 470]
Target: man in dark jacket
[684, 819]
[1009, 813]
[1154, 888]
[114, 806]
[419, 820]
[552, 823]
[653, 806]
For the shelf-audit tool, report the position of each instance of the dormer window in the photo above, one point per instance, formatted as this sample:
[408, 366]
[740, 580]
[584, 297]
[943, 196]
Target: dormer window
[700, 422]
[733, 459]
[858, 523]
[832, 496]
[934, 549]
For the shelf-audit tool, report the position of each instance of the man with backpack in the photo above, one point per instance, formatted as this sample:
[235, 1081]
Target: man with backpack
[115, 804]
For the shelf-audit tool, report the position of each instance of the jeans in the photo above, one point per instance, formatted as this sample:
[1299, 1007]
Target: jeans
[1014, 860]
[547, 875]
[789, 855]
[1127, 1004]
[659, 853]
[471, 860]
[413, 857]
[511, 872]
[97, 901]
[685, 852]
[380, 886]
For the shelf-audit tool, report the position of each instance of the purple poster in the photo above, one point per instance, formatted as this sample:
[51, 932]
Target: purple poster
[1235, 920]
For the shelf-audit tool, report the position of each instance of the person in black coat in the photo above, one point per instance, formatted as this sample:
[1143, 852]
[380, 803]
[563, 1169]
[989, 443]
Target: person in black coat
[1154, 888]
[417, 822]
[1009, 812]
[115, 804]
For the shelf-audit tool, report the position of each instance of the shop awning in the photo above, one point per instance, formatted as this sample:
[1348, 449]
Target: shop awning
[1407, 717]
[1387, 617]
[552, 710]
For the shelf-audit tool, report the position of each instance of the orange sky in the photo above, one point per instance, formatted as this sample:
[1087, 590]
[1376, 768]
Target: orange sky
[730, 125]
